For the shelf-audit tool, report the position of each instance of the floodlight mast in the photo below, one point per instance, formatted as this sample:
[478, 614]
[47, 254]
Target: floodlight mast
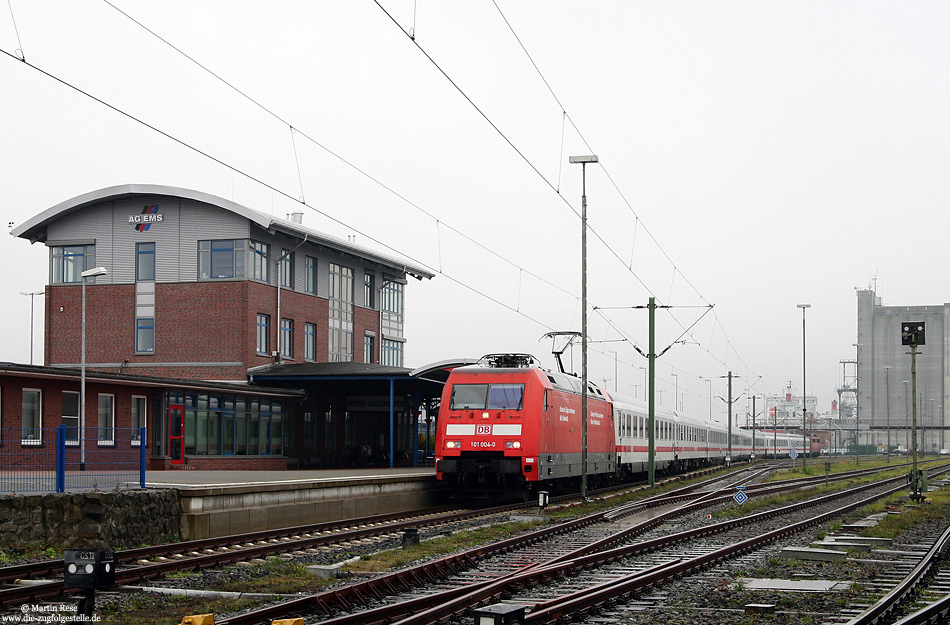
[89, 273]
[583, 161]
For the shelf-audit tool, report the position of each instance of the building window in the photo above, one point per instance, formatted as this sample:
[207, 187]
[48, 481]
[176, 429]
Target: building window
[221, 260]
[340, 336]
[391, 353]
[287, 338]
[71, 416]
[260, 255]
[287, 269]
[369, 290]
[69, 261]
[310, 341]
[106, 420]
[310, 263]
[138, 418]
[144, 262]
[263, 334]
[391, 308]
[369, 344]
[31, 431]
[145, 335]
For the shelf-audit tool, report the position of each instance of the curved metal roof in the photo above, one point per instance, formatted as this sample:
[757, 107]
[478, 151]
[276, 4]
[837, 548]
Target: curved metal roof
[34, 229]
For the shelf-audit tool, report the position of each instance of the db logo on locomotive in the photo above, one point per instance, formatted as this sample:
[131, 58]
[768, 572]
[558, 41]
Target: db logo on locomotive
[483, 429]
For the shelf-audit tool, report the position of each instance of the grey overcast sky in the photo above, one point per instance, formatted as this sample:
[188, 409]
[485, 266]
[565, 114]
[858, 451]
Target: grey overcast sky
[754, 156]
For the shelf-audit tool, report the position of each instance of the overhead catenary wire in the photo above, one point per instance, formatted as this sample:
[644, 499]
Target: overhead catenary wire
[267, 185]
[522, 270]
[16, 30]
[537, 171]
[298, 132]
[637, 220]
[411, 35]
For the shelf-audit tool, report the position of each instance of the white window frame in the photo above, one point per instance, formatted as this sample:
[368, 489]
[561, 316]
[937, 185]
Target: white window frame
[39, 417]
[105, 442]
[143, 418]
[73, 442]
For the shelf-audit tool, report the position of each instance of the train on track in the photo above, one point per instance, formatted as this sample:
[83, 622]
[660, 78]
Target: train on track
[508, 427]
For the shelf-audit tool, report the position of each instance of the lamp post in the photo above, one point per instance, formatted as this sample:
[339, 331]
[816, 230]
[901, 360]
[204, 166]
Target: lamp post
[932, 423]
[89, 273]
[583, 160]
[31, 295]
[887, 407]
[804, 394]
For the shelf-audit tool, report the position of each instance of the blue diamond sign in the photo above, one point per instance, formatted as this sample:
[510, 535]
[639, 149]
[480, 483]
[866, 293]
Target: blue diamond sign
[740, 497]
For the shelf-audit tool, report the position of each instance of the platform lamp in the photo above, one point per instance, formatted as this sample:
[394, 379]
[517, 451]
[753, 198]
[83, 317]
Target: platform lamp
[31, 295]
[89, 273]
[887, 407]
[805, 446]
[583, 160]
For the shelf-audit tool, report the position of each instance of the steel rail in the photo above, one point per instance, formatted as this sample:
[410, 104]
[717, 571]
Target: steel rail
[558, 567]
[227, 549]
[883, 609]
[587, 557]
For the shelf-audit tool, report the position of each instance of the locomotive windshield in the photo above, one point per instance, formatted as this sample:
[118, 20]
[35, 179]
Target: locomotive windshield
[487, 397]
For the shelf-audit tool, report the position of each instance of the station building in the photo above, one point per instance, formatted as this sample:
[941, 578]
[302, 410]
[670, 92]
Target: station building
[121, 407]
[190, 286]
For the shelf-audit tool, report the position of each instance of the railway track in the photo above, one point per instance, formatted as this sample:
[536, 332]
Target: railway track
[138, 565]
[489, 573]
[148, 563]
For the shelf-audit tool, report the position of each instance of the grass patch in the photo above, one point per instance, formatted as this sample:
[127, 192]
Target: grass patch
[31, 552]
[396, 558]
[894, 525]
[167, 609]
[280, 577]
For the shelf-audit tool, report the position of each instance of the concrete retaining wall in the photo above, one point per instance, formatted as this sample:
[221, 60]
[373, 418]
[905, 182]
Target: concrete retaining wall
[223, 510]
[127, 519]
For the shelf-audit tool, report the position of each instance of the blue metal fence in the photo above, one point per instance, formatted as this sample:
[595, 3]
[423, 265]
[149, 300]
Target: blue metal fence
[59, 459]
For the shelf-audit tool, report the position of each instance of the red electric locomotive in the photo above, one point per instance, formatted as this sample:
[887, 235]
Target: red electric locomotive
[507, 426]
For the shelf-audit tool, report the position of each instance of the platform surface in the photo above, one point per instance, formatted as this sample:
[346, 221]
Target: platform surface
[191, 479]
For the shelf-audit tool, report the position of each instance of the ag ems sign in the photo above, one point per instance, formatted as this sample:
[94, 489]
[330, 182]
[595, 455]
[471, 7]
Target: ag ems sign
[149, 216]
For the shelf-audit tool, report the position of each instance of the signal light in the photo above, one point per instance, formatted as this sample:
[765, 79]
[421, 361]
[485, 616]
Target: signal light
[453, 444]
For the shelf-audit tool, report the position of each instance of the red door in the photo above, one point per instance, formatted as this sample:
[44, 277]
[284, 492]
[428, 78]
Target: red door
[176, 434]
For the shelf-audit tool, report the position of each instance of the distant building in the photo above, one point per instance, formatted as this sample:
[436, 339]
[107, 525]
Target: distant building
[885, 396]
[785, 411]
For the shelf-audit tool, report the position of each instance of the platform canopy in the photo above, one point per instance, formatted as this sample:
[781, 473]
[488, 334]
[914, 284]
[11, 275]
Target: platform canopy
[365, 392]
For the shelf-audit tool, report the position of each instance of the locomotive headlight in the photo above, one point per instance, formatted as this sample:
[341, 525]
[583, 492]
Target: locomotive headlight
[484, 415]
[512, 444]
[453, 444]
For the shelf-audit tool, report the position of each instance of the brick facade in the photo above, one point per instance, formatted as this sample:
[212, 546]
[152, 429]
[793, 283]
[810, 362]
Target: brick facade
[52, 389]
[195, 322]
